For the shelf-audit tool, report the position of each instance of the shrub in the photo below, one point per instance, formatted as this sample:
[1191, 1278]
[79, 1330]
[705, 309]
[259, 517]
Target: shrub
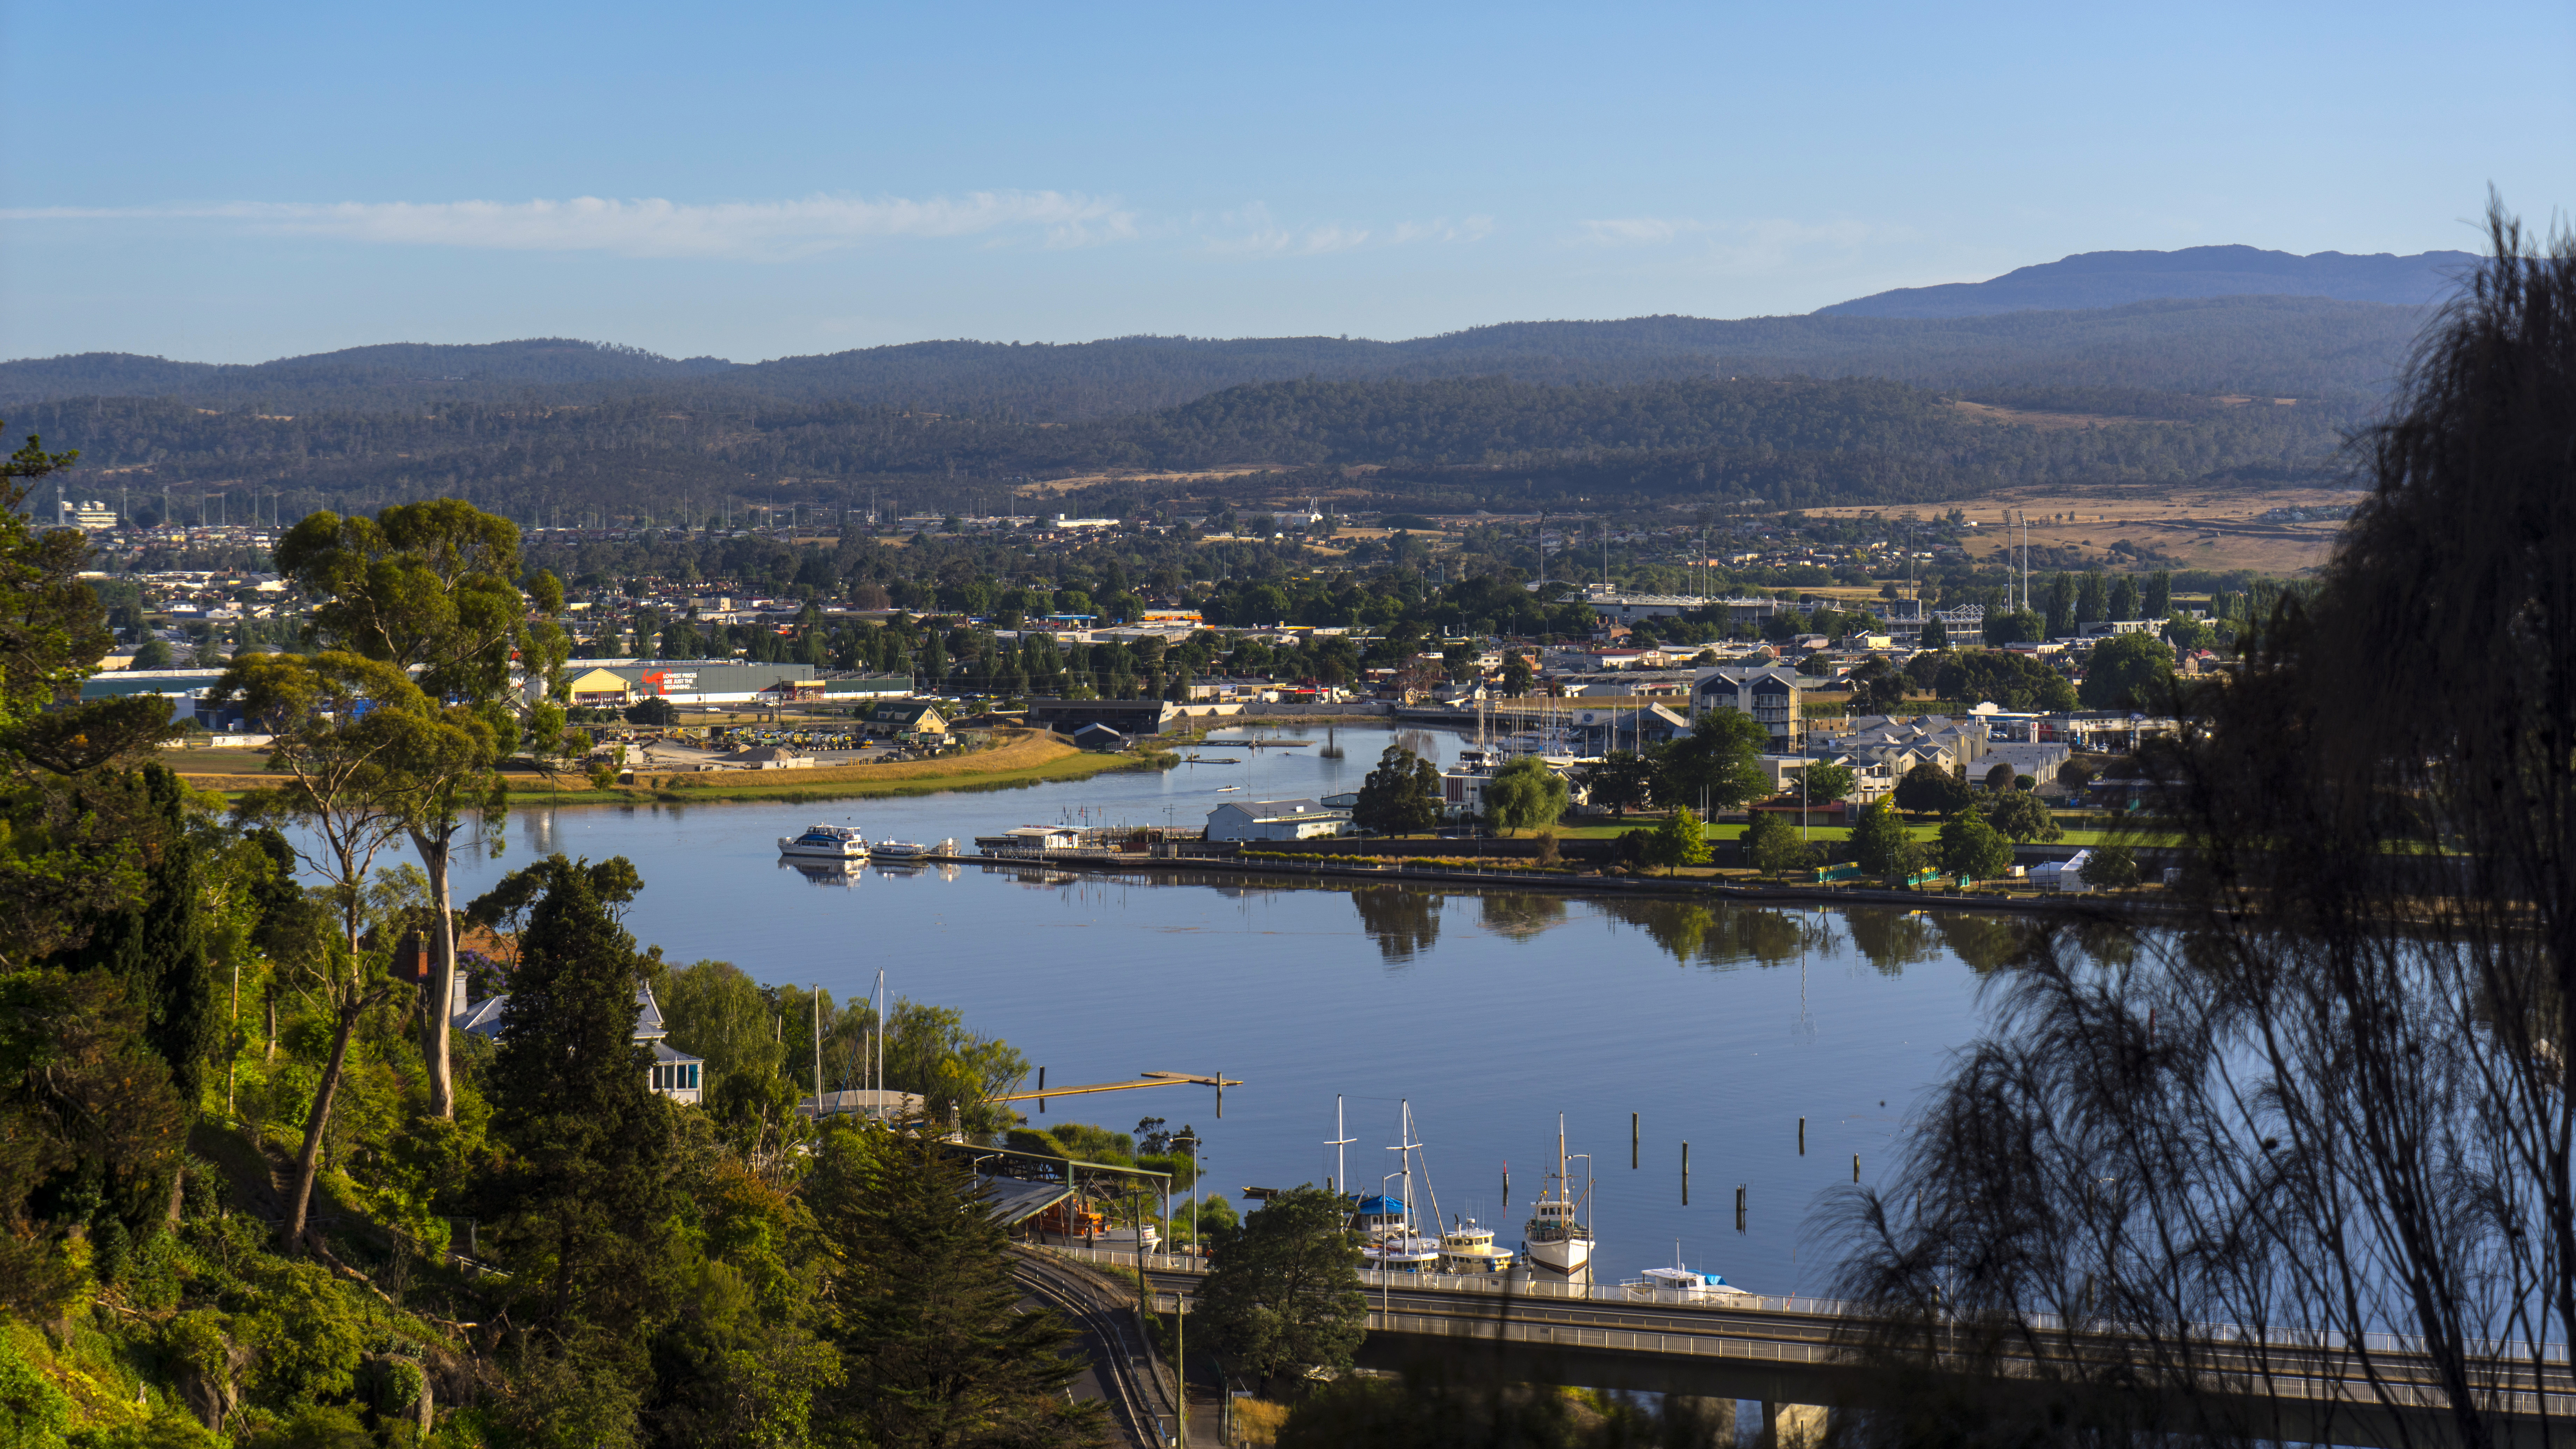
[2112, 867]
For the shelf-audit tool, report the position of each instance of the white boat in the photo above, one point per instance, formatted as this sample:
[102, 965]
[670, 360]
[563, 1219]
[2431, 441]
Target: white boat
[900, 850]
[1469, 1247]
[1404, 1254]
[1687, 1282]
[1394, 1244]
[1555, 1240]
[825, 842]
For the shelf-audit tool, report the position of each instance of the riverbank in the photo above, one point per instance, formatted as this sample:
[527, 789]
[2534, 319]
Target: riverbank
[1024, 759]
[1345, 875]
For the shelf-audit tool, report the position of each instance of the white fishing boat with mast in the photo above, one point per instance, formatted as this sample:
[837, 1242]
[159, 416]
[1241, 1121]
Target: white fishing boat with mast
[1556, 1240]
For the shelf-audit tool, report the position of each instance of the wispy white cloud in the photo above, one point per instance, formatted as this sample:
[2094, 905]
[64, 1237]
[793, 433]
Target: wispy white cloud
[1635, 231]
[1764, 244]
[653, 227]
[1252, 231]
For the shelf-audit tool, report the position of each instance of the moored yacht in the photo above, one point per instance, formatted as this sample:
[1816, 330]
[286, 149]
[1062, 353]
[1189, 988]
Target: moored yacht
[825, 842]
[1394, 1244]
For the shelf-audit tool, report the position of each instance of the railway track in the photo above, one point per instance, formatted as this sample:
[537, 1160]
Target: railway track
[1121, 1355]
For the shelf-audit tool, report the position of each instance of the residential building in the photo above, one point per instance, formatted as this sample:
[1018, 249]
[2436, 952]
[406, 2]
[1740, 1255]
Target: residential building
[674, 1074]
[1770, 694]
[1900, 743]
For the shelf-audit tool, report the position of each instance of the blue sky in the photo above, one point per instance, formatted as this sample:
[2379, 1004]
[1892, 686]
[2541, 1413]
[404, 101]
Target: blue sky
[232, 183]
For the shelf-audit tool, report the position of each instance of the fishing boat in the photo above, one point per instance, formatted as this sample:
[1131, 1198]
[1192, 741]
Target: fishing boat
[1556, 1241]
[825, 842]
[1468, 1247]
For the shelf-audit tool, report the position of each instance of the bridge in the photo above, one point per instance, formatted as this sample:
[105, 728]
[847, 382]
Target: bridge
[1787, 1351]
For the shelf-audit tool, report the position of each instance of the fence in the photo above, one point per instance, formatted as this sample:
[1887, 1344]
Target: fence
[1498, 1285]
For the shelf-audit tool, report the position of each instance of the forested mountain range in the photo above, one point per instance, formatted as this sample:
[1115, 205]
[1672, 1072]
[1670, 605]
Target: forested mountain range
[2297, 346]
[2114, 279]
[1785, 411]
[1465, 441]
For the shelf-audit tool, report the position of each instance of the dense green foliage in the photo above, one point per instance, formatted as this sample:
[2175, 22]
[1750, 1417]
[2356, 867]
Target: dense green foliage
[1880, 844]
[195, 1047]
[1679, 841]
[1549, 431]
[2129, 671]
[1284, 1294]
[1772, 845]
[1525, 795]
[1401, 796]
[1972, 848]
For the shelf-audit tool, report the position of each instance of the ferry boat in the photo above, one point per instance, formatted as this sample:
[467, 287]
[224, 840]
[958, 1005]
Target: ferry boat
[1469, 1248]
[1556, 1241]
[825, 842]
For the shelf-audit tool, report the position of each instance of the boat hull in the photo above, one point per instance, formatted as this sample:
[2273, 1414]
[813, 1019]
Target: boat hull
[1562, 1258]
[793, 851]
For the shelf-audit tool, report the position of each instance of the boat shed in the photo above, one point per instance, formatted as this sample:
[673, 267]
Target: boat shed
[1275, 820]
[1130, 717]
[1099, 737]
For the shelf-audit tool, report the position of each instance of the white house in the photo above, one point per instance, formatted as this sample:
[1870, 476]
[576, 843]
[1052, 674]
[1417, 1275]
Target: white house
[1275, 820]
[673, 1074]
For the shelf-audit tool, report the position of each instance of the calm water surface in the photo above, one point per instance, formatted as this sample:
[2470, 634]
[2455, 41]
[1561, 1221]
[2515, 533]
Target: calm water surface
[1491, 1012]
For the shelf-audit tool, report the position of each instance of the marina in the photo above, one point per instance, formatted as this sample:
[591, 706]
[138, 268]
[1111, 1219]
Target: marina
[1721, 1023]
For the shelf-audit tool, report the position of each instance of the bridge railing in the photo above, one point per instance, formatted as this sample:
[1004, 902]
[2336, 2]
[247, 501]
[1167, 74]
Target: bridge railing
[1491, 1283]
[1502, 1285]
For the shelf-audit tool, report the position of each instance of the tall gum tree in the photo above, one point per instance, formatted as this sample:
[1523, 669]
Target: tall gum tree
[435, 589]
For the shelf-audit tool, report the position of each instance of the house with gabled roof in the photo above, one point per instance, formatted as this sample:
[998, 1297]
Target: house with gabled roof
[670, 1073]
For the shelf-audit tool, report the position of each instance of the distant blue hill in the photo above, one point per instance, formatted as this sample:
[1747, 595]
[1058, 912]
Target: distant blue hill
[2116, 279]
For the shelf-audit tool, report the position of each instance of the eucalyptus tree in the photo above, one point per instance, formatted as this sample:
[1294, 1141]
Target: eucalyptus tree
[435, 589]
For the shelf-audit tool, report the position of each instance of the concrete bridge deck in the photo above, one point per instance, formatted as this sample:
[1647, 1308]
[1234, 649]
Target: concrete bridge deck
[1789, 1350]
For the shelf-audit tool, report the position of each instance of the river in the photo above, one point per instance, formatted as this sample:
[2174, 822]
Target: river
[1491, 1012]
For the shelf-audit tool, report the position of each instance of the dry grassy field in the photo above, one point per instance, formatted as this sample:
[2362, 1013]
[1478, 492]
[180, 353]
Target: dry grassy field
[2195, 528]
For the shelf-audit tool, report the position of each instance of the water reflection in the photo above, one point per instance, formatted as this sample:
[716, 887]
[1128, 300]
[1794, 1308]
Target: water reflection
[845, 874]
[1520, 916]
[1986, 943]
[1724, 936]
[1890, 939]
[1403, 922]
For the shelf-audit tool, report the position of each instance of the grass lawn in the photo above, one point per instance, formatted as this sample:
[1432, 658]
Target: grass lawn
[1030, 759]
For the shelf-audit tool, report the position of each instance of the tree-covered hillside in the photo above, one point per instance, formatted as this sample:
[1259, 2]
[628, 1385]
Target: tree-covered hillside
[2306, 347]
[1793, 442]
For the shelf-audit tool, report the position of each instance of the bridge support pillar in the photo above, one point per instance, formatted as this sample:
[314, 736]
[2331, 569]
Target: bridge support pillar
[1792, 1426]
